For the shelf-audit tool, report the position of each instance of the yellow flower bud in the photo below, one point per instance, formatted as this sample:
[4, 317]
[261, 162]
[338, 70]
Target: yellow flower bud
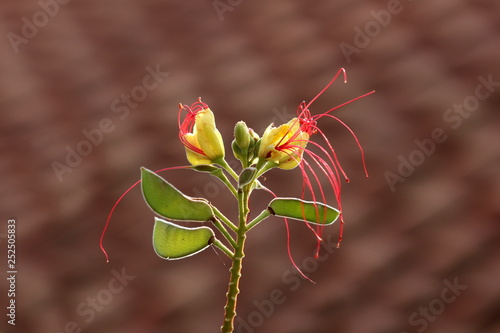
[202, 140]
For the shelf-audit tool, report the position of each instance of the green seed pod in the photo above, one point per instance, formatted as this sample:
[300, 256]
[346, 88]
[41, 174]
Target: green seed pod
[297, 209]
[167, 201]
[172, 241]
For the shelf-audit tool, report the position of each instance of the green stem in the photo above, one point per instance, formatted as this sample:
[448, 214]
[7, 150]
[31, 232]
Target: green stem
[216, 171]
[224, 219]
[264, 166]
[224, 248]
[222, 162]
[224, 232]
[235, 270]
[226, 181]
[262, 216]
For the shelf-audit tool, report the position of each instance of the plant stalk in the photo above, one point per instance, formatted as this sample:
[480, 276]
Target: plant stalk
[235, 270]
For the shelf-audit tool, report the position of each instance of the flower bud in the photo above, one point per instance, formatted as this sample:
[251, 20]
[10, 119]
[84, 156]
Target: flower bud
[242, 135]
[237, 151]
[254, 135]
[202, 140]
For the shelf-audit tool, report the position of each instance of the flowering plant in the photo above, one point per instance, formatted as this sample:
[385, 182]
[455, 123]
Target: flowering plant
[284, 147]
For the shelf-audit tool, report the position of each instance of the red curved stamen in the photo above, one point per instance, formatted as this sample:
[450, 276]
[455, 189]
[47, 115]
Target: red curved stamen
[355, 138]
[306, 182]
[330, 167]
[333, 178]
[332, 174]
[318, 231]
[333, 157]
[343, 104]
[288, 242]
[187, 124]
[342, 70]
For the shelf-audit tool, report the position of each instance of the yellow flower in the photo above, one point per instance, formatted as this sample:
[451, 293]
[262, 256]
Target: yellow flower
[202, 140]
[284, 145]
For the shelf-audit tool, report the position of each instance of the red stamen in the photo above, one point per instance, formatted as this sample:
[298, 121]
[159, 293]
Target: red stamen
[290, 253]
[319, 228]
[333, 158]
[343, 104]
[342, 70]
[355, 138]
[187, 125]
[288, 242]
[306, 183]
[330, 167]
[332, 175]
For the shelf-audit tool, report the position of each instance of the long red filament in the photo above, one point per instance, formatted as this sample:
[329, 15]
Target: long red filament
[187, 125]
[288, 242]
[342, 70]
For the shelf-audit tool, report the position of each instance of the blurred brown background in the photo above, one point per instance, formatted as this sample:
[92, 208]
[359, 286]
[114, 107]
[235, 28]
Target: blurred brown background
[420, 255]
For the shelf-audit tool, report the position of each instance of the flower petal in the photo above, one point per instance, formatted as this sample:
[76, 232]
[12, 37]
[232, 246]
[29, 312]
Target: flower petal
[284, 145]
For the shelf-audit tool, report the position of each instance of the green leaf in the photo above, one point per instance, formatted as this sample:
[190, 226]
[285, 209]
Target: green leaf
[167, 201]
[172, 241]
[293, 208]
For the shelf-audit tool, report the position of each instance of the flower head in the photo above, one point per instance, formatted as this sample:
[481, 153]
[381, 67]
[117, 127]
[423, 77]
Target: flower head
[286, 146]
[199, 135]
